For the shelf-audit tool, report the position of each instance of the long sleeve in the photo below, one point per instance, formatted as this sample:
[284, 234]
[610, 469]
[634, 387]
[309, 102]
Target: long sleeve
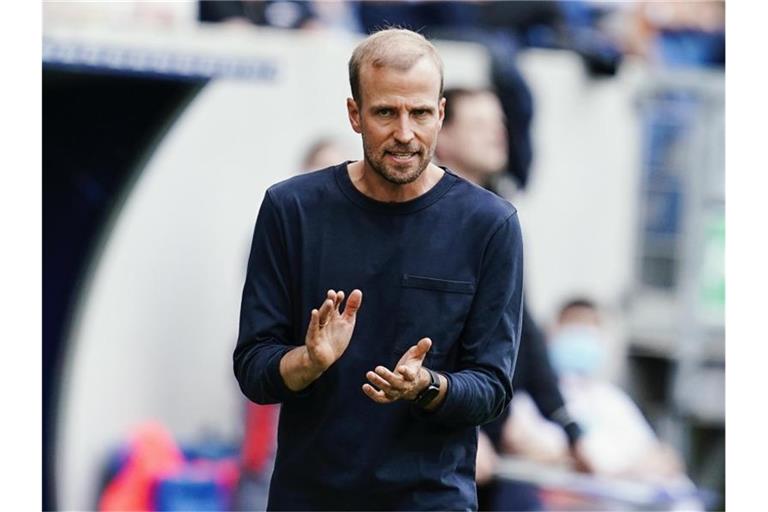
[481, 388]
[536, 376]
[265, 323]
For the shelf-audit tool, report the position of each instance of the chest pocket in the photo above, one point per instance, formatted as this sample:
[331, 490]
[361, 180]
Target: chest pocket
[434, 308]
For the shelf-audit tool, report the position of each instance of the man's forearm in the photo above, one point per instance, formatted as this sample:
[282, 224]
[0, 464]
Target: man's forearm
[474, 398]
[297, 370]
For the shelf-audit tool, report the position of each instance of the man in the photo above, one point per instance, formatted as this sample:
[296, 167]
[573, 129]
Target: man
[474, 143]
[381, 398]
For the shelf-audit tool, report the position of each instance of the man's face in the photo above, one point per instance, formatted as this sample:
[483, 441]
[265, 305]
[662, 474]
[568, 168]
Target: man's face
[399, 118]
[475, 140]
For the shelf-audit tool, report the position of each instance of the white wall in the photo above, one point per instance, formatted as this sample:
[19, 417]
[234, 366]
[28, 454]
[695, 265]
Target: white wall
[578, 214]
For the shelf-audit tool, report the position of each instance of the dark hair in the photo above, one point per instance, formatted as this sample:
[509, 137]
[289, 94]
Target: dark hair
[453, 95]
[576, 302]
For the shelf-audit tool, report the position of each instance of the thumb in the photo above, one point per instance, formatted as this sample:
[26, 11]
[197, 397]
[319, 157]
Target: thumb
[353, 304]
[421, 348]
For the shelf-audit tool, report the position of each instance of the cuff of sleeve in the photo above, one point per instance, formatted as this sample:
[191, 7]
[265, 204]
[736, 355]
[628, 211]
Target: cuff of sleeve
[447, 407]
[563, 418]
[275, 383]
[573, 431]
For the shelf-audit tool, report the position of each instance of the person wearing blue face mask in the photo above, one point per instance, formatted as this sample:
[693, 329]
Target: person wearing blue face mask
[616, 437]
[578, 347]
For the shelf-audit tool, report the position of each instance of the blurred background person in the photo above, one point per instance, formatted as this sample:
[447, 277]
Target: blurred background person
[616, 438]
[671, 34]
[325, 152]
[335, 15]
[474, 144]
[473, 141]
[289, 14]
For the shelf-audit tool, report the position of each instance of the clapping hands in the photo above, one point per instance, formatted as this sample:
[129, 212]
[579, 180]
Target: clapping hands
[330, 328]
[406, 382]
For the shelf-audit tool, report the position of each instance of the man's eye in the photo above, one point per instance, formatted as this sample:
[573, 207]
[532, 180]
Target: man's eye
[384, 112]
[421, 113]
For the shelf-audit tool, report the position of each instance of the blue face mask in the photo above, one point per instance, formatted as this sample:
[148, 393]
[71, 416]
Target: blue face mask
[577, 349]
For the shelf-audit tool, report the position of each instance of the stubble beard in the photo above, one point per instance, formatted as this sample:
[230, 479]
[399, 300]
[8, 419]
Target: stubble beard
[394, 176]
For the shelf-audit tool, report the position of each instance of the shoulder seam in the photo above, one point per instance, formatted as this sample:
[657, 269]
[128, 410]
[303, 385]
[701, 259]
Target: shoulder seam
[493, 234]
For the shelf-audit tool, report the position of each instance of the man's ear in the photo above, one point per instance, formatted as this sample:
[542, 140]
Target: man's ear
[354, 115]
[441, 111]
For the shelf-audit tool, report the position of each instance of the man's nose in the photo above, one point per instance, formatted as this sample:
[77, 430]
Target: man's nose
[403, 131]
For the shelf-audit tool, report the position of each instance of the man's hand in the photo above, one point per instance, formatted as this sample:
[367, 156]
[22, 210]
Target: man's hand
[330, 329]
[408, 380]
[581, 461]
[327, 338]
[486, 459]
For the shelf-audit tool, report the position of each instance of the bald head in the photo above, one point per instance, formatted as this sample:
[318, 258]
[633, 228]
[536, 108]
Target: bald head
[395, 48]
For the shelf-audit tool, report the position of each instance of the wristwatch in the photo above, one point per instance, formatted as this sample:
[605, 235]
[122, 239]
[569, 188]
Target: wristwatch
[430, 392]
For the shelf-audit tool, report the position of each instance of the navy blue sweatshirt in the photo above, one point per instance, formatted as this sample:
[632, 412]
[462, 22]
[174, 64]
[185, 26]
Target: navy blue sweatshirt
[447, 265]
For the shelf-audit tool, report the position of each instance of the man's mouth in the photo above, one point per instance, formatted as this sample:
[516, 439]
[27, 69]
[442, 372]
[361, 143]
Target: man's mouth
[401, 156]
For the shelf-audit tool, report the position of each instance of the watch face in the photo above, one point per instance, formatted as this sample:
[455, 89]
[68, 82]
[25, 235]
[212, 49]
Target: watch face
[429, 394]
[432, 390]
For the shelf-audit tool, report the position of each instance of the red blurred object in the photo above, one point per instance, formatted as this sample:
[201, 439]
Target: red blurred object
[260, 435]
[152, 454]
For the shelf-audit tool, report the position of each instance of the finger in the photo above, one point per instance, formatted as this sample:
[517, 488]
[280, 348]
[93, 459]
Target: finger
[422, 347]
[394, 380]
[314, 323]
[353, 304]
[332, 296]
[377, 396]
[339, 300]
[379, 382]
[329, 296]
[325, 312]
[407, 373]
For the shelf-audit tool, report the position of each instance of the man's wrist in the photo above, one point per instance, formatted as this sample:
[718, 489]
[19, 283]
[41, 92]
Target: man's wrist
[573, 433]
[429, 392]
[422, 383]
[423, 380]
[297, 369]
[310, 368]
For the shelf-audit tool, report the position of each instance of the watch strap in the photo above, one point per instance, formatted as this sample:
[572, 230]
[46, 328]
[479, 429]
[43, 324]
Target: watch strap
[431, 391]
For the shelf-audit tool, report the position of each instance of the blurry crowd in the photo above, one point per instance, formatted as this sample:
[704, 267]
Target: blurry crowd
[664, 33]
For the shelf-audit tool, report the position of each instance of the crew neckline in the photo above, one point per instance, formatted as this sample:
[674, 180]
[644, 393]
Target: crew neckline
[429, 197]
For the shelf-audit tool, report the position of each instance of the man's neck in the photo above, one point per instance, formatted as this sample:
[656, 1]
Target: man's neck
[370, 183]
